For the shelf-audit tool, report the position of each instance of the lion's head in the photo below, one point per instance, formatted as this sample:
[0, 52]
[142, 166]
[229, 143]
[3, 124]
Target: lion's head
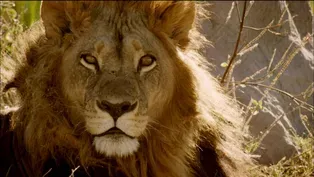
[123, 81]
[116, 74]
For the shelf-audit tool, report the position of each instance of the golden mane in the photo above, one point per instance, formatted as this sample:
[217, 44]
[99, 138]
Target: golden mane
[199, 114]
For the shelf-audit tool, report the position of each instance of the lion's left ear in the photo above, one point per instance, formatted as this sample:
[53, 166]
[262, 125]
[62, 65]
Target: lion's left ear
[60, 17]
[174, 18]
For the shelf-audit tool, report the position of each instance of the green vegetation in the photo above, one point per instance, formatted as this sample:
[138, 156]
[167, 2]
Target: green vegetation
[10, 27]
[28, 10]
[311, 3]
[15, 17]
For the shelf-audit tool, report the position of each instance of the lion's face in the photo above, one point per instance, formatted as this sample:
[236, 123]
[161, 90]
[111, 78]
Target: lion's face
[116, 80]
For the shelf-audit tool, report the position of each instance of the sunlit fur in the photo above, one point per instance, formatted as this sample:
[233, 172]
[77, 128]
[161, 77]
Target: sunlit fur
[196, 113]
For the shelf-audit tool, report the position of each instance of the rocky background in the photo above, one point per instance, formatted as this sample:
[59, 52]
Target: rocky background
[273, 67]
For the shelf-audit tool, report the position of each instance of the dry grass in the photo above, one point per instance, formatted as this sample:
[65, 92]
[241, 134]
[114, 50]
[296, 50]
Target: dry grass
[301, 165]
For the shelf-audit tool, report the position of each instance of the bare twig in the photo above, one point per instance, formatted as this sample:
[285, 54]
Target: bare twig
[260, 139]
[282, 15]
[229, 77]
[289, 59]
[277, 34]
[73, 171]
[246, 114]
[271, 60]
[233, 93]
[248, 45]
[251, 3]
[246, 50]
[303, 117]
[247, 79]
[47, 172]
[237, 45]
[230, 12]
[280, 91]
[281, 61]
[238, 11]
[269, 27]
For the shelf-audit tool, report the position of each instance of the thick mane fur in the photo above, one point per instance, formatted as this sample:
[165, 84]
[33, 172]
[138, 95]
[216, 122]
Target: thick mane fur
[198, 116]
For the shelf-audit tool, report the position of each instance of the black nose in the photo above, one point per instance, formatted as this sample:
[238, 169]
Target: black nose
[116, 110]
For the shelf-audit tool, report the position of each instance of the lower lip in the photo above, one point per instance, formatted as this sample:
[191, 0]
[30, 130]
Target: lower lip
[114, 134]
[110, 133]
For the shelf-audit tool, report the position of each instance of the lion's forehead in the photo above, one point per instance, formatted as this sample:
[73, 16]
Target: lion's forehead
[114, 27]
[102, 43]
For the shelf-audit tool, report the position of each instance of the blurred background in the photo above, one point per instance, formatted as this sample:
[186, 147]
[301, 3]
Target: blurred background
[27, 12]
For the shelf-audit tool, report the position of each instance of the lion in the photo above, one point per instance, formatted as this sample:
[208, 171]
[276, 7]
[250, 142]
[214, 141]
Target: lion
[120, 89]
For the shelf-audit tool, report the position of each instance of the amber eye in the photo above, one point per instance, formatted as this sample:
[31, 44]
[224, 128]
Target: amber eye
[147, 62]
[89, 61]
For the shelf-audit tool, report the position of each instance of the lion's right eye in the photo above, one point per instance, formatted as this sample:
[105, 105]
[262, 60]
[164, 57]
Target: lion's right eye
[147, 63]
[89, 61]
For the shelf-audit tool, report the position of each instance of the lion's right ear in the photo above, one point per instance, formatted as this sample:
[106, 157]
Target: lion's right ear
[60, 17]
[174, 18]
[54, 18]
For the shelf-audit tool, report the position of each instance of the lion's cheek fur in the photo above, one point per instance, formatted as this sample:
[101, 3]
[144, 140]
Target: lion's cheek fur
[160, 89]
[73, 85]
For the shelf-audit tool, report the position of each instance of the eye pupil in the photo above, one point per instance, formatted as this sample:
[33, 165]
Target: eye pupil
[89, 59]
[146, 61]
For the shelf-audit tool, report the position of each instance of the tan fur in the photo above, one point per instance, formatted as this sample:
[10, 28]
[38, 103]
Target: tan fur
[196, 112]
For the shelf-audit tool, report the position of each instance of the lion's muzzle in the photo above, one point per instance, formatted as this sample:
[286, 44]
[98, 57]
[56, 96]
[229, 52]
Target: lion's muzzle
[118, 115]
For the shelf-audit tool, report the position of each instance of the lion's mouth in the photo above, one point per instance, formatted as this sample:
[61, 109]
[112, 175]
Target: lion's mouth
[114, 131]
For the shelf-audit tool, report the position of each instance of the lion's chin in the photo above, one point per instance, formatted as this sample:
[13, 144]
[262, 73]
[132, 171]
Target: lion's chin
[116, 145]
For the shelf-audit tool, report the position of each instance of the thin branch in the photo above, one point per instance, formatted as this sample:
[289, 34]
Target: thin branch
[233, 93]
[248, 49]
[269, 27]
[230, 12]
[257, 37]
[237, 45]
[229, 76]
[73, 171]
[247, 79]
[278, 34]
[238, 11]
[304, 122]
[282, 15]
[280, 91]
[281, 61]
[47, 172]
[289, 59]
[249, 8]
[260, 139]
[271, 60]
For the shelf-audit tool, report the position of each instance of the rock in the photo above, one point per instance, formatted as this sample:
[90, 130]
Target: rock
[296, 79]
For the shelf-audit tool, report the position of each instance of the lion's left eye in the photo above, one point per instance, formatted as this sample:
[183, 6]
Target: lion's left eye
[147, 62]
[89, 61]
